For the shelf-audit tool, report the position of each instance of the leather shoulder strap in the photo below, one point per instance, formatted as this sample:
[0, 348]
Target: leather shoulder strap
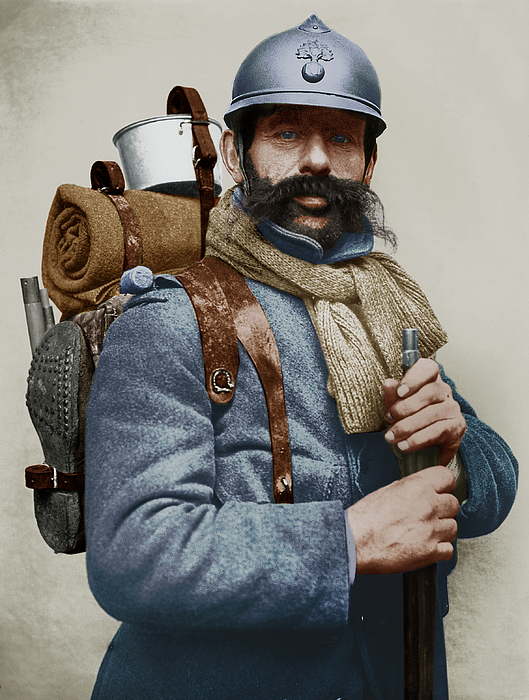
[186, 100]
[254, 332]
[217, 331]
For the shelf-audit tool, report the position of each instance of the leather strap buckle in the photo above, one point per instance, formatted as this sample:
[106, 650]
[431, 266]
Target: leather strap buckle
[44, 476]
[225, 377]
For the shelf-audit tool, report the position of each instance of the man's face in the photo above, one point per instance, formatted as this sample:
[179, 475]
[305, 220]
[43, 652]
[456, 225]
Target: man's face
[309, 141]
[305, 166]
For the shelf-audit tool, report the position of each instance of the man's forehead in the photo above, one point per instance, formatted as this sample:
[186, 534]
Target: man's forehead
[299, 113]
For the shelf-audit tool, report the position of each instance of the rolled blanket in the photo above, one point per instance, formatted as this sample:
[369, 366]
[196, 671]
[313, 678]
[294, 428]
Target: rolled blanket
[82, 258]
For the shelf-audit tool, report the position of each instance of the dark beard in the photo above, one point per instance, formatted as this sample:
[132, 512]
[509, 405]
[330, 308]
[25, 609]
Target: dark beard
[347, 204]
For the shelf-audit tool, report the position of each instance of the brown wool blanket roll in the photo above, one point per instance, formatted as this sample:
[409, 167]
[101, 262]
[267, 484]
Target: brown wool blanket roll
[82, 258]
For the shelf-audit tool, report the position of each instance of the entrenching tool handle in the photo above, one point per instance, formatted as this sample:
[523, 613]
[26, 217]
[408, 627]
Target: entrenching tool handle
[419, 587]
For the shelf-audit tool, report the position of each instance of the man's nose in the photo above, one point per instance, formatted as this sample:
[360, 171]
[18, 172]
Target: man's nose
[314, 158]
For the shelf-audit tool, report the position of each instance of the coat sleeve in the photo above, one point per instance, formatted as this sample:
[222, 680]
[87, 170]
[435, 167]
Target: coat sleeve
[492, 475]
[161, 548]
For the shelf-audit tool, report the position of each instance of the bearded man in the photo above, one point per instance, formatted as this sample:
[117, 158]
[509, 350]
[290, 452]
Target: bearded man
[223, 592]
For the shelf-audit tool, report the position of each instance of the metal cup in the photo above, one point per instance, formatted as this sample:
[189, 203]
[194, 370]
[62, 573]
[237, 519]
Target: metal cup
[157, 155]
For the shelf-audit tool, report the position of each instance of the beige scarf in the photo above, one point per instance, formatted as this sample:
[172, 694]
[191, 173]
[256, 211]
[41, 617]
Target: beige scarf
[358, 307]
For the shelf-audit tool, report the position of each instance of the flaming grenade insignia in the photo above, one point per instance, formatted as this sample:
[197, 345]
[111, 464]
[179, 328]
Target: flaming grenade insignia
[313, 71]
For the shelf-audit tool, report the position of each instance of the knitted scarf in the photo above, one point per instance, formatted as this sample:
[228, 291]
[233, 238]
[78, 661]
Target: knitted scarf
[359, 308]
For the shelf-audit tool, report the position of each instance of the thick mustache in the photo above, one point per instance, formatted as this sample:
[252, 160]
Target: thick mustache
[335, 192]
[347, 202]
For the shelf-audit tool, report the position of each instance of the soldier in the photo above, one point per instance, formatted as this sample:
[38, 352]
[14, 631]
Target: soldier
[223, 592]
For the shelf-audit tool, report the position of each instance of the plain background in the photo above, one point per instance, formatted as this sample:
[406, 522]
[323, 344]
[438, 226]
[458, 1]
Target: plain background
[452, 173]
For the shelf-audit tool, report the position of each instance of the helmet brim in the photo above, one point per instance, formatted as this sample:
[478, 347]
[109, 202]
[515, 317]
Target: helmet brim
[305, 99]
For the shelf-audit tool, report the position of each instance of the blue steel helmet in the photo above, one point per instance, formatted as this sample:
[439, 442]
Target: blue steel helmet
[307, 65]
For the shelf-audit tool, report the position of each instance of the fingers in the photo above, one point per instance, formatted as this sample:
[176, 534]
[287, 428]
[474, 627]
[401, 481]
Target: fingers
[447, 433]
[407, 524]
[432, 426]
[446, 530]
[441, 532]
[445, 551]
[442, 551]
[448, 453]
[427, 415]
[448, 508]
[444, 509]
[440, 479]
[423, 372]
[433, 391]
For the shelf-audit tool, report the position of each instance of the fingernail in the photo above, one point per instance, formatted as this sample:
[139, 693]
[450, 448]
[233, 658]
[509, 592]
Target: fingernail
[403, 390]
[404, 445]
[389, 417]
[389, 436]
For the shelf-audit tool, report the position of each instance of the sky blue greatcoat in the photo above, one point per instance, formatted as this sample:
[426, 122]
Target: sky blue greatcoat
[222, 593]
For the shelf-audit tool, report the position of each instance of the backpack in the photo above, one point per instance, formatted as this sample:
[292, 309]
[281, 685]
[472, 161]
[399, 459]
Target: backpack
[64, 361]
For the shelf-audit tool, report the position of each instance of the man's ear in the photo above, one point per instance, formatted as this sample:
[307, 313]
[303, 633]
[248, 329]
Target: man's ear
[371, 167]
[230, 156]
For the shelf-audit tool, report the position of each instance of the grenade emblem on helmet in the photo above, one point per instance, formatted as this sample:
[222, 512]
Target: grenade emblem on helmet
[313, 50]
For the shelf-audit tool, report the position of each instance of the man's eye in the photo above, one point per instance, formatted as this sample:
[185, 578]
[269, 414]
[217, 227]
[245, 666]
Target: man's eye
[288, 135]
[340, 138]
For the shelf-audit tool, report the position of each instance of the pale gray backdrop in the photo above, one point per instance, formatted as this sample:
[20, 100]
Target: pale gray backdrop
[452, 173]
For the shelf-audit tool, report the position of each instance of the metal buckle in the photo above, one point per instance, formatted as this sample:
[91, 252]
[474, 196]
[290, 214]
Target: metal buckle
[222, 389]
[285, 483]
[195, 160]
[54, 478]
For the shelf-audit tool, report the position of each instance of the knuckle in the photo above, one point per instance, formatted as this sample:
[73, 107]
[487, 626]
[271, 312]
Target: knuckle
[403, 408]
[433, 369]
[439, 393]
[430, 363]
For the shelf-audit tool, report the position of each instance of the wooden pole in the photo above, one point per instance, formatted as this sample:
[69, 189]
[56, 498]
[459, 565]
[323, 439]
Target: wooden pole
[419, 590]
[419, 596]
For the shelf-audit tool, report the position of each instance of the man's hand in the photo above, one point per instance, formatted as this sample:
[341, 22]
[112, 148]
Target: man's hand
[423, 412]
[405, 525]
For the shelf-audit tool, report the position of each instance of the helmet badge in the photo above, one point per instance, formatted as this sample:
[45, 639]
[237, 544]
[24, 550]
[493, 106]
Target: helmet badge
[314, 51]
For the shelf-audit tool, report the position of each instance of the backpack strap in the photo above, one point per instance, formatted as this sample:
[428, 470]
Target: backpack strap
[106, 177]
[186, 100]
[235, 299]
[217, 331]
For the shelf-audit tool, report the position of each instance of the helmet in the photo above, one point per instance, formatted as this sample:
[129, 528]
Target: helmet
[308, 65]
